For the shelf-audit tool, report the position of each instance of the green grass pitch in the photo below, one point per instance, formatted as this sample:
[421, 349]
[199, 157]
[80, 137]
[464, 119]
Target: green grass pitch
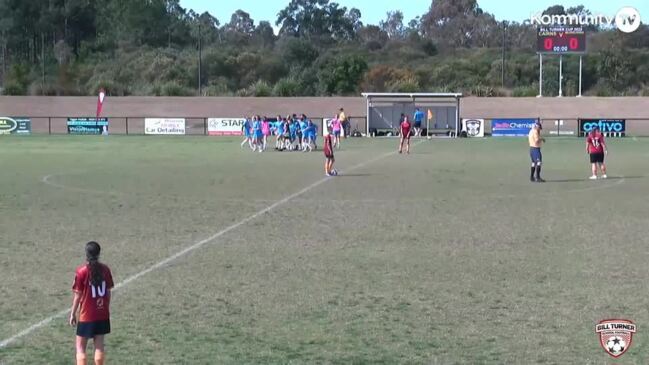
[448, 255]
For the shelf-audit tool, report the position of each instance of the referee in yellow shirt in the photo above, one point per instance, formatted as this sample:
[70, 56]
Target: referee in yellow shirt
[536, 141]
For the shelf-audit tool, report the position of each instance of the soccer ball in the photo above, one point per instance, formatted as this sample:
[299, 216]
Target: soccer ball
[334, 172]
[615, 345]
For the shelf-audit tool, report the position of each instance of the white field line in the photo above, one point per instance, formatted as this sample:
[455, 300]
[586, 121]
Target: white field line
[27, 331]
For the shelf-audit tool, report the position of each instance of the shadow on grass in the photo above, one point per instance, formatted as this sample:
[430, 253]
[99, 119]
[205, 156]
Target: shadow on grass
[586, 179]
[354, 175]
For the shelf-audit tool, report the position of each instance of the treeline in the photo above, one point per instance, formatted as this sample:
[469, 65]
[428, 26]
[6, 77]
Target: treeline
[153, 47]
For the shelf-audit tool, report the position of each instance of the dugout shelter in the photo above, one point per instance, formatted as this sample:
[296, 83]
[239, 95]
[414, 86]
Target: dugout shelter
[441, 112]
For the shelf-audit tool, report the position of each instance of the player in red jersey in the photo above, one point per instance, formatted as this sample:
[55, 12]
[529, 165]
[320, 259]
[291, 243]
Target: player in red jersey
[329, 154]
[405, 134]
[93, 282]
[596, 148]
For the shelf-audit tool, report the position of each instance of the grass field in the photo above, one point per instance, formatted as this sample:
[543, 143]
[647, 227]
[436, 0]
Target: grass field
[449, 255]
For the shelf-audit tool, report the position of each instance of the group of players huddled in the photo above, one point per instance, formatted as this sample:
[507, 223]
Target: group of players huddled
[292, 133]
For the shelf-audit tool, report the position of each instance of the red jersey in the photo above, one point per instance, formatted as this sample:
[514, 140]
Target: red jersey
[405, 129]
[95, 300]
[595, 142]
[328, 146]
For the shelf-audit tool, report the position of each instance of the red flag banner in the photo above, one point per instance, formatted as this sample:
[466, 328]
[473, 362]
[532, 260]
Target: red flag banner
[100, 102]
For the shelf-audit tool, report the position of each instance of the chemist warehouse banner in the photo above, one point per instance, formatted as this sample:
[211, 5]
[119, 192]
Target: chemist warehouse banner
[511, 127]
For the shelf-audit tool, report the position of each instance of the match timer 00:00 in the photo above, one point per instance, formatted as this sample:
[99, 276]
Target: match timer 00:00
[560, 40]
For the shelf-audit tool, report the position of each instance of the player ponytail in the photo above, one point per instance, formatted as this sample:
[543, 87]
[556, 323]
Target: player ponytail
[92, 255]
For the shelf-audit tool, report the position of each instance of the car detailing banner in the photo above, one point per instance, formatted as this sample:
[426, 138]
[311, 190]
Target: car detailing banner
[609, 127]
[473, 127]
[15, 125]
[225, 126]
[511, 127]
[88, 126]
[175, 126]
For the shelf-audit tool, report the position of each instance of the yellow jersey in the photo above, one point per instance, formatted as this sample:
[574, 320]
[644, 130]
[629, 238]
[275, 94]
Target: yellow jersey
[534, 137]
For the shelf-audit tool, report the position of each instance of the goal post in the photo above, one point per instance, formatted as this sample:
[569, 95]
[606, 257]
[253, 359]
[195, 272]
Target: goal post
[441, 112]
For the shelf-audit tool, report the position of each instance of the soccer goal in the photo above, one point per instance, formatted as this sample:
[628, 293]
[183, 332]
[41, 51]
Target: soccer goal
[441, 113]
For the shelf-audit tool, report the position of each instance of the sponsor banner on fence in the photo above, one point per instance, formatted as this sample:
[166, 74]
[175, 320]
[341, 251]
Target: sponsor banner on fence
[88, 126]
[225, 126]
[511, 127]
[15, 125]
[609, 127]
[174, 126]
[473, 127]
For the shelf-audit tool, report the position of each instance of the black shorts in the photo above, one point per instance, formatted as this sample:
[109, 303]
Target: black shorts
[417, 124]
[597, 157]
[92, 329]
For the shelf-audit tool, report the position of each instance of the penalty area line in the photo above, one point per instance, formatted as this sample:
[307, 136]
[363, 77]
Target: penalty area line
[27, 331]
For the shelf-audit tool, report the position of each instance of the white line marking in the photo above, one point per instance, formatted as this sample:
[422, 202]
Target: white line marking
[186, 250]
[46, 181]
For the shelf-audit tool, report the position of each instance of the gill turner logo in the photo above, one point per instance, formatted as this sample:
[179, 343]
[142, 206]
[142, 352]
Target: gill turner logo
[627, 19]
[615, 335]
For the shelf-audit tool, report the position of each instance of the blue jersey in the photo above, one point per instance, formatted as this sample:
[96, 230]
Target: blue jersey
[315, 132]
[246, 128]
[293, 129]
[256, 128]
[419, 116]
[309, 131]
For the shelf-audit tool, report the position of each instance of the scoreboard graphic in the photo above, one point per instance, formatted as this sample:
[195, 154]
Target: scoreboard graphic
[560, 40]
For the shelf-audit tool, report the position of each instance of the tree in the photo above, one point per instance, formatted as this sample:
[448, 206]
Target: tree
[393, 24]
[240, 28]
[555, 10]
[318, 18]
[264, 35]
[297, 52]
[372, 37]
[453, 22]
[341, 76]
[240, 22]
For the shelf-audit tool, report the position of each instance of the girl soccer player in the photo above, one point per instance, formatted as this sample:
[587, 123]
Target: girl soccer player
[279, 132]
[265, 130]
[257, 135]
[246, 128]
[405, 135]
[329, 154]
[336, 126]
[93, 282]
[309, 135]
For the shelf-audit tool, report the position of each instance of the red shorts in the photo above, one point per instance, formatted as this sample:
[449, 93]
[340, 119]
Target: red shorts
[406, 134]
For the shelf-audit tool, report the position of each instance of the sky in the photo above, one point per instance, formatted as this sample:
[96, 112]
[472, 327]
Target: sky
[373, 11]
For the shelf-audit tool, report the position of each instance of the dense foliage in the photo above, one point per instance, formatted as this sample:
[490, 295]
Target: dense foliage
[153, 47]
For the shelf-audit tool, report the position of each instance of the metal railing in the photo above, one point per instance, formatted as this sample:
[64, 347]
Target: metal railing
[135, 125]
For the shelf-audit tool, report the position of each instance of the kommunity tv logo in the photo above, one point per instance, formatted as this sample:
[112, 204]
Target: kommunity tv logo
[627, 19]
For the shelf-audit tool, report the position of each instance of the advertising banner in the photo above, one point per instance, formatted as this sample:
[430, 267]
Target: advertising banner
[325, 123]
[15, 125]
[511, 127]
[609, 127]
[225, 126]
[473, 127]
[88, 126]
[175, 126]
